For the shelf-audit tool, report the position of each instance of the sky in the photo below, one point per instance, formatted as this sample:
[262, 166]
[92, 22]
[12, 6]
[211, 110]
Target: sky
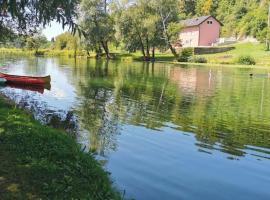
[53, 30]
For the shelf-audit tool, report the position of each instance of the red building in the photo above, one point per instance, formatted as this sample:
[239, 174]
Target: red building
[200, 31]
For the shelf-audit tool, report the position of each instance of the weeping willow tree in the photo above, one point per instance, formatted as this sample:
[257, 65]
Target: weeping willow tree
[24, 17]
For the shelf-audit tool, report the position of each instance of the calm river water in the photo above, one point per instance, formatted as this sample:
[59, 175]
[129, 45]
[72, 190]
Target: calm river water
[163, 131]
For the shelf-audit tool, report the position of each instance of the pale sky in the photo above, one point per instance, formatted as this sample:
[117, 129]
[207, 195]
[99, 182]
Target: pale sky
[53, 30]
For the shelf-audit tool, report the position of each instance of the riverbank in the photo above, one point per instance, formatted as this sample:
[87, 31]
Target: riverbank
[38, 162]
[229, 58]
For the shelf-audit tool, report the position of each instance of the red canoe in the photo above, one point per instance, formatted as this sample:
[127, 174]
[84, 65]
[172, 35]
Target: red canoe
[27, 80]
[33, 88]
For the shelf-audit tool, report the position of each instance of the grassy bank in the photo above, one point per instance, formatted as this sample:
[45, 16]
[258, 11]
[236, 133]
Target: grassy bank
[42, 52]
[256, 51]
[37, 162]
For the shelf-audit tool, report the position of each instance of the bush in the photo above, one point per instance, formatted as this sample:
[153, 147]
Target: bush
[246, 60]
[185, 54]
[197, 59]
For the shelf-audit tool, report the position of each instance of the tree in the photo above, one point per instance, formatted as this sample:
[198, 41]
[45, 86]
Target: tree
[187, 8]
[267, 30]
[66, 41]
[138, 28]
[98, 25]
[6, 34]
[147, 25]
[24, 17]
[42, 12]
[169, 19]
[36, 42]
[207, 7]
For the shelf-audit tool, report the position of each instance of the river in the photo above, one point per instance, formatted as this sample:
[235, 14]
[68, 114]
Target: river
[162, 131]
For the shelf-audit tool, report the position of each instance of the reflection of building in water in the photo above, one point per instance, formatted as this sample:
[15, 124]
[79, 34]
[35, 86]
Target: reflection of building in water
[193, 80]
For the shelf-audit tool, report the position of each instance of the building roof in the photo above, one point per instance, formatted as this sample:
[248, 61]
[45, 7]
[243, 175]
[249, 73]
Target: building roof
[197, 21]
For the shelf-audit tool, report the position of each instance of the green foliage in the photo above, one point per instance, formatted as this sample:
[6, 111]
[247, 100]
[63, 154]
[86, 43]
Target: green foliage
[240, 18]
[28, 15]
[36, 42]
[185, 54]
[98, 25]
[197, 59]
[187, 8]
[38, 162]
[174, 29]
[206, 7]
[245, 18]
[246, 60]
[148, 25]
[6, 34]
[145, 25]
[66, 41]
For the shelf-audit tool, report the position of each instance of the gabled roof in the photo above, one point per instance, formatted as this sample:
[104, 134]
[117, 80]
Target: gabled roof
[197, 21]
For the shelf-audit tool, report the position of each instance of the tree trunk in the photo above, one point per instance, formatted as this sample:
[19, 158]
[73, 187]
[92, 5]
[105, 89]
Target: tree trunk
[36, 52]
[98, 51]
[75, 48]
[268, 27]
[153, 54]
[106, 49]
[105, 6]
[141, 43]
[166, 35]
[175, 54]
[147, 50]
[142, 47]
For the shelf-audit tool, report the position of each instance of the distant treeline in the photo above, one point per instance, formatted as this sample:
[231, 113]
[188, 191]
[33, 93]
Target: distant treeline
[148, 25]
[240, 17]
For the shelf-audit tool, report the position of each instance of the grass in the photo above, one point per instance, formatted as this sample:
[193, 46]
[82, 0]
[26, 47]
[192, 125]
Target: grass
[256, 51]
[42, 52]
[38, 162]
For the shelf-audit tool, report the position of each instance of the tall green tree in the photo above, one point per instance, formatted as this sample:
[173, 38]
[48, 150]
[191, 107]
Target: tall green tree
[187, 8]
[168, 12]
[138, 26]
[36, 42]
[66, 41]
[206, 7]
[98, 25]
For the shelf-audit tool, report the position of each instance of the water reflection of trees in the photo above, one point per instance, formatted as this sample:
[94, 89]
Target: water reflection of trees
[224, 112]
[60, 119]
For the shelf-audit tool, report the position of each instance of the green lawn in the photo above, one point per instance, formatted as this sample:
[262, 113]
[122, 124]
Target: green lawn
[38, 162]
[257, 51]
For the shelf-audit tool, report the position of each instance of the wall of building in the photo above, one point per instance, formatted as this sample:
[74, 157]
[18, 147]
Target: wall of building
[189, 37]
[211, 50]
[209, 32]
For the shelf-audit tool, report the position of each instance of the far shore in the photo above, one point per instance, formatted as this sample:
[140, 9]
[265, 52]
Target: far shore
[225, 59]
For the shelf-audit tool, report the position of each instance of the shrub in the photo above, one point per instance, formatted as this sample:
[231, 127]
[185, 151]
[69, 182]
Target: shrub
[246, 60]
[197, 59]
[185, 54]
